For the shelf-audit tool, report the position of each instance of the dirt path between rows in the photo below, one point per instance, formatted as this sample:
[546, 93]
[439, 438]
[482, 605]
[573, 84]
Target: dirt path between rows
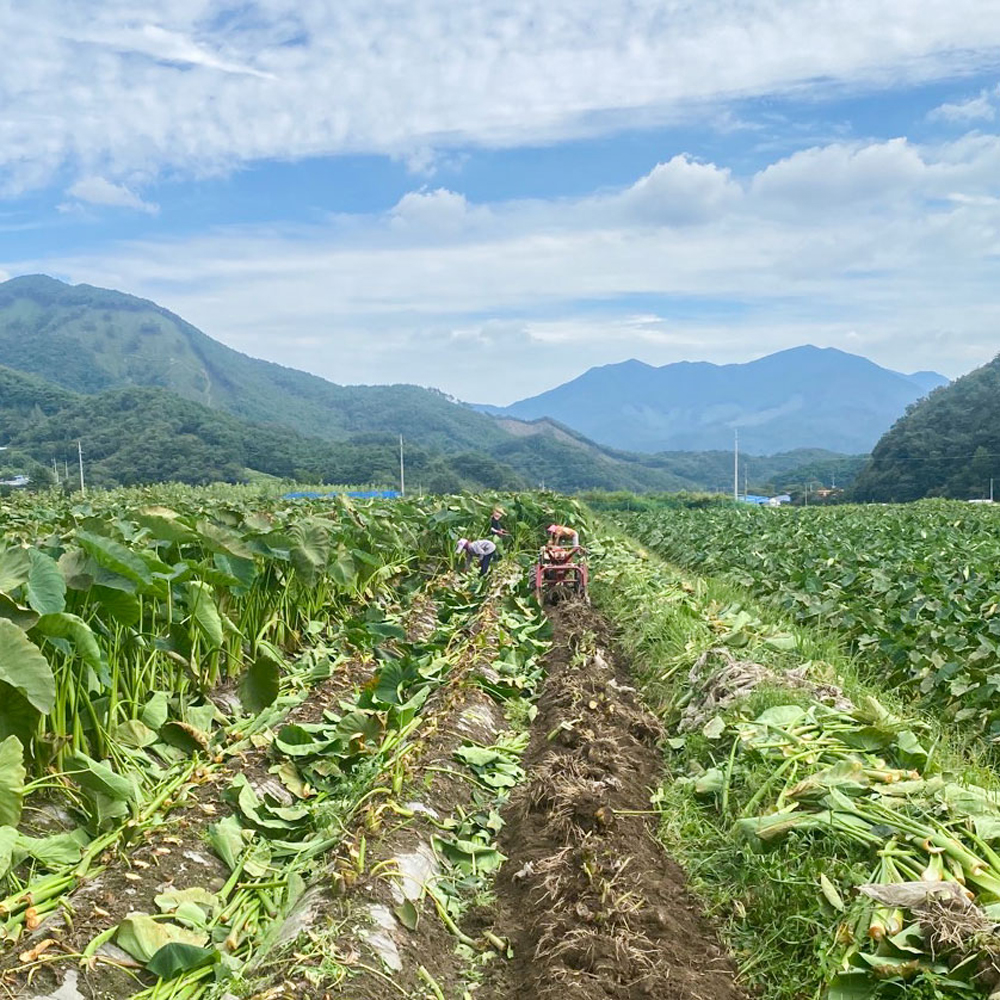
[591, 903]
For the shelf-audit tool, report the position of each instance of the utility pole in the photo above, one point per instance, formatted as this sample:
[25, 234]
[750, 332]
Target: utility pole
[991, 489]
[79, 451]
[736, 464]
[402, 470]
[55, 471]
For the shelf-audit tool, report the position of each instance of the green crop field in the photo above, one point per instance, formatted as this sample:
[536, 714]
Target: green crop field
[254, 747]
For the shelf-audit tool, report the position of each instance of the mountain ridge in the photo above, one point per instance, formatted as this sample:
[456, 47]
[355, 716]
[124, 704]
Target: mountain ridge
[801, 397]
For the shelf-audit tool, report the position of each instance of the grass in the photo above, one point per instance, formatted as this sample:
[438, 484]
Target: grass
[767, 907]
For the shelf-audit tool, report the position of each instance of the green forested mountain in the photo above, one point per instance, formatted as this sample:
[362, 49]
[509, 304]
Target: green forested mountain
[946, 445]
[90, 339]
[152, 398]
[141, 435]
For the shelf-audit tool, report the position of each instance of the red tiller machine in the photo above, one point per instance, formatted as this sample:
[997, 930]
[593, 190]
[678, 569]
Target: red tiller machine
[561, 571]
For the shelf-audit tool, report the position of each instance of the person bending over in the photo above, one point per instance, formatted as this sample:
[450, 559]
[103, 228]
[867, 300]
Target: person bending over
[482, 549]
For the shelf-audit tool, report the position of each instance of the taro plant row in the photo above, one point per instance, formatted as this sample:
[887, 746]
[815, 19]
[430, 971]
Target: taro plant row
[915, 588]
[125, 624]
[850, 854]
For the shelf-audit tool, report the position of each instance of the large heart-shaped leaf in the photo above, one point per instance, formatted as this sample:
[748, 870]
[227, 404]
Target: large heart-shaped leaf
[22, 617]
[8, 841]
[116, 557]
[164, 524]
[77, 631]
[205, 612]
[98, 777]
[15, 565]
[178, 957]
[310, 550]
[46, 584]
[142, 936]
[12, 774]
[25, 669]
[260, 684]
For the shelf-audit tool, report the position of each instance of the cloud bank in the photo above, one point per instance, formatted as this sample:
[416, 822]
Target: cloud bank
[123, 89]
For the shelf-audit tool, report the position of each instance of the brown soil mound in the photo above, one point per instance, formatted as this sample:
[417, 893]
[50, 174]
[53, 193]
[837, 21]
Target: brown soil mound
[592, 905]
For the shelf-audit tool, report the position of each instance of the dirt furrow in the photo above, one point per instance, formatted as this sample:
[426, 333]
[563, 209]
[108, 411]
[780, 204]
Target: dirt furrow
[593, 906]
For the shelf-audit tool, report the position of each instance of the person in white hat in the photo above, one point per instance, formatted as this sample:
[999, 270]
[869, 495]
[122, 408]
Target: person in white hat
[482, 549]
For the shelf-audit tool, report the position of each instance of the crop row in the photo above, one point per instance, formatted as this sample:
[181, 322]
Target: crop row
[914, 588]
[841, 845]
[125, 624]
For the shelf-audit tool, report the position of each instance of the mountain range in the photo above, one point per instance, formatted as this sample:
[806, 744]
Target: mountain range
[152, 397]
[805, 397]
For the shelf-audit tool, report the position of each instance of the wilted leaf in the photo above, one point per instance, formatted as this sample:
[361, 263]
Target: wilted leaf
[142, 936]
[714, 728]
[833, 897]
[184, 736]
[408, 915]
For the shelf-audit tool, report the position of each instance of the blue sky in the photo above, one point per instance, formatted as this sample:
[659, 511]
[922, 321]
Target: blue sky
[490, 198]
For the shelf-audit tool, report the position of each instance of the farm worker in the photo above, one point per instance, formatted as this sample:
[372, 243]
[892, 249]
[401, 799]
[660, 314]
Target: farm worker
[560, 532]
[484, 550]
[496, 525]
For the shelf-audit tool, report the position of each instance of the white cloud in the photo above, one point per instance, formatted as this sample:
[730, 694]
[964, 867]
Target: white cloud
[890, 248]
[679, 192]
[98, 191]
[440, 211]
[973, 109]
[119, 88]
[841, 174]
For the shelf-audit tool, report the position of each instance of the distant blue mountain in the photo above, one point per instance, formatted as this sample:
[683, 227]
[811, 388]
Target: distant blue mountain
[805, 397]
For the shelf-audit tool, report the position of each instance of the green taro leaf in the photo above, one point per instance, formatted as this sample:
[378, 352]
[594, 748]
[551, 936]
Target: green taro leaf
[225, 539]
[15, 567]
[12, 774]
[25, 669]
[98, 777]
[23, 618]
[178, 957]
[116, 557]
[310, 551]
[74, 628]
[57, 851]
[205, 612]
[78, 569]
[8, 842]
[226, 838]
[164, 524]
[344, 570]
[46, 584]
[142, 936]
[260, 683]
[134, 734]
[156, 710]
[119, 604]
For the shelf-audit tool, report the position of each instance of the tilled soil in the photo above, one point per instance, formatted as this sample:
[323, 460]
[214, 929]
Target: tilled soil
[592, 905]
